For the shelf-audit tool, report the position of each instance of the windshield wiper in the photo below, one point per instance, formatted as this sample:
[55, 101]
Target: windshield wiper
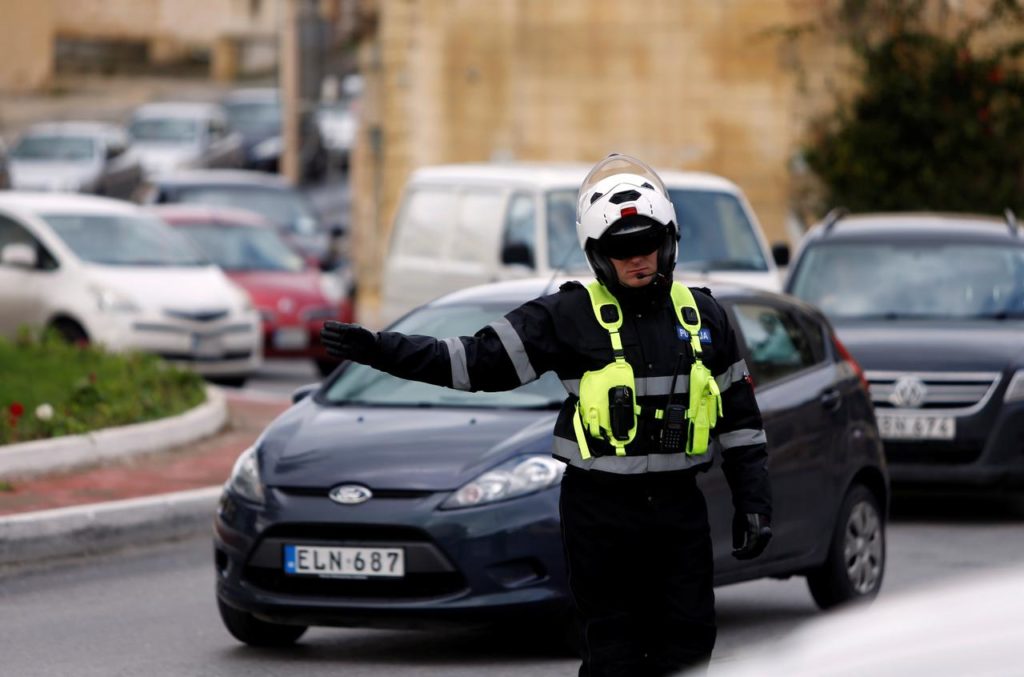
[719, 264]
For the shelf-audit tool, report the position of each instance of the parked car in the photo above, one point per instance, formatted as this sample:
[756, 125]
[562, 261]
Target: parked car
[462, 225]
[379, 502]
[5, 171]
[77, 157]
[170, 136]
[268, 195]
[104, 271]
[932, 306]
[257, 114]
[293, 298]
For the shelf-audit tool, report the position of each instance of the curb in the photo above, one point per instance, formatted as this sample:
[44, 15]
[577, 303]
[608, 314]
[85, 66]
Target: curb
[104, 527]
[71, 452]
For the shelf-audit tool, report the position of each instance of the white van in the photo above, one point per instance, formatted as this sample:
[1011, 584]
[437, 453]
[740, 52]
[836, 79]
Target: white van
[462, 225]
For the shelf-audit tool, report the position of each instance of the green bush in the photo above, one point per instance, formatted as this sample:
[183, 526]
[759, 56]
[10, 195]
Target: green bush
[84, 388]
[938, 122]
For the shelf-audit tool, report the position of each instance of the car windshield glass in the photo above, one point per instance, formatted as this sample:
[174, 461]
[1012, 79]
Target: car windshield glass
[714, 232]
[254, 116]
[165, 130]
[285, 208]
[122, 240]
[912, 279]
[363, 385]
[243, 248]
[61, 148]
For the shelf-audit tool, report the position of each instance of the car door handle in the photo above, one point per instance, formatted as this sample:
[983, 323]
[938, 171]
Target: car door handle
[831, 399]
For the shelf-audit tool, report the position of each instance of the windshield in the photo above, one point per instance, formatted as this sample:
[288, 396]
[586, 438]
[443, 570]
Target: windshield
[69, 148]
[254, 116]
[714, 232]
[285, 208]
[243, 248]
[120, 240]
[165, 130]
[360, 384]
[912, 279]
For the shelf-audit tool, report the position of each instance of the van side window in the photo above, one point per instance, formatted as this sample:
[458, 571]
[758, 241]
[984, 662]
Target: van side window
[421, 226]
[519, 242]
[778, 345]
[476, 233]
[12, 232]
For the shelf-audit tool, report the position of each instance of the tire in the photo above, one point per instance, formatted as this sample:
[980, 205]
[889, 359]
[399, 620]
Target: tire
[856, 556]
[70, 331]
[250, 630]
[229, 381]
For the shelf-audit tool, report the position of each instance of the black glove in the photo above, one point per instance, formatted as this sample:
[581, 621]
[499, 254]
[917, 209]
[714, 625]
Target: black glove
[750, 534]
[349, 341]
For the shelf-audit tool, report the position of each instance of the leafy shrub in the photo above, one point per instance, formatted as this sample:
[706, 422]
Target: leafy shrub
[938, 121]
[51, 388]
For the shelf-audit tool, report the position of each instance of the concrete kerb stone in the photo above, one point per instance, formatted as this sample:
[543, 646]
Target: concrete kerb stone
[105, 527]
[71, 452]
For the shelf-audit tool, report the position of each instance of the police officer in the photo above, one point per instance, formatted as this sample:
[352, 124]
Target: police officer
[654, 375]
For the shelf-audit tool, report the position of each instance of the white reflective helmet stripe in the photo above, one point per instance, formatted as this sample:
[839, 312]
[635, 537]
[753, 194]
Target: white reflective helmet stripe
[742, 438]
[457, 358]
[569, 452]
[513, 345]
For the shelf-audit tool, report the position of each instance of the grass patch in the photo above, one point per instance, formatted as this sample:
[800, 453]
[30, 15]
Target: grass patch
[51, 388]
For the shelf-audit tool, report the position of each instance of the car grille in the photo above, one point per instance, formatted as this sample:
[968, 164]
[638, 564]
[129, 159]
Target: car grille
[958, 393]
[197, 316]
[429, 574]
[929, 453]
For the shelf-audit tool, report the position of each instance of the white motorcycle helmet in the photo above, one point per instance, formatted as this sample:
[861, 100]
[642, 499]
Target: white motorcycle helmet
[624, 210]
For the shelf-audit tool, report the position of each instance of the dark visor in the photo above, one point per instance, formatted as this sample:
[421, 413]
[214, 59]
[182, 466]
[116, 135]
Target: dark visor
[636, 243]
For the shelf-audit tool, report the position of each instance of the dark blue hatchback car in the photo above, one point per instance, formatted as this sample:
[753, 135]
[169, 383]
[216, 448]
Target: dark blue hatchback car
[379, 502]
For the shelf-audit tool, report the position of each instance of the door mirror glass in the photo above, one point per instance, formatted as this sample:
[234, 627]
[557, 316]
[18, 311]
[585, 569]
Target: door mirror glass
[517, 253]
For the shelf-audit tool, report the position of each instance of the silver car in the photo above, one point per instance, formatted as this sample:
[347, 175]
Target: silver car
[170, 136]
[76, 157]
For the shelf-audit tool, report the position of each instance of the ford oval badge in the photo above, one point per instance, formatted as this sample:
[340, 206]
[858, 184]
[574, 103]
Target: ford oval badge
[350, 494]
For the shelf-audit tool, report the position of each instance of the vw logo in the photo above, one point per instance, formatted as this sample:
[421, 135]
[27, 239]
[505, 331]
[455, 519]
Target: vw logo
[350, 494]
[909, 392]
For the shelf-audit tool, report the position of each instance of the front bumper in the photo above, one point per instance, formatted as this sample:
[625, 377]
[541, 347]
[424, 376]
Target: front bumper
[463, 567]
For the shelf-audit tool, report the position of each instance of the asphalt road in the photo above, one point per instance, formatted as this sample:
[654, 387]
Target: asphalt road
[152, 612]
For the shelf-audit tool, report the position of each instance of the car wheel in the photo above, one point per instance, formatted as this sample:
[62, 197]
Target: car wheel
[229, 381]
[325, 367]
[70, 331]
[856, 556]
[250, 630]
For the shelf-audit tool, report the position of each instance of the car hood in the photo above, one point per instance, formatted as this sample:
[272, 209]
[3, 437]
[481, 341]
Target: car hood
[918, 345]
[435, 449]
[267, 287]
[51, 175]
[159, 288]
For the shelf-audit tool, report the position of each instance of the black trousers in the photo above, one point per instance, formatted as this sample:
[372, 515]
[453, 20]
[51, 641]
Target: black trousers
[640, 564]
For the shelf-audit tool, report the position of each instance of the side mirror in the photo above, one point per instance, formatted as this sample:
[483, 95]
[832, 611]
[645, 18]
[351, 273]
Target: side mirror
[19, 255]
[780, 252]
[517, 253]
[302, 392]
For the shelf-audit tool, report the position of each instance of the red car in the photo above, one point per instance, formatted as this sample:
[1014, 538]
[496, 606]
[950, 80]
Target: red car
[293, 295]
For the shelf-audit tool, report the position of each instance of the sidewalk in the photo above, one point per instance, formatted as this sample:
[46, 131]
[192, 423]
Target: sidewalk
[130, 501]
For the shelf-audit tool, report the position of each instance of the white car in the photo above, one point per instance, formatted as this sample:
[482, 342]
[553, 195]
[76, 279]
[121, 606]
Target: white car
[169, 136]
[105, 271]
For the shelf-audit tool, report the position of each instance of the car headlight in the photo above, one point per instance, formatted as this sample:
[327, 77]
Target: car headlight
[245, 476]
[244, 299]
[518, 477]
[268, 148]
[1015, 391]
[111, 301]
[332, 288]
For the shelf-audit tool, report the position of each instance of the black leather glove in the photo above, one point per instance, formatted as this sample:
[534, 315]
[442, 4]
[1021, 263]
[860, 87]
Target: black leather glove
[750, 534]
[349, 341]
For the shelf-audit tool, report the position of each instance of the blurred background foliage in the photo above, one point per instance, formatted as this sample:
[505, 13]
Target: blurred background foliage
[937, 121]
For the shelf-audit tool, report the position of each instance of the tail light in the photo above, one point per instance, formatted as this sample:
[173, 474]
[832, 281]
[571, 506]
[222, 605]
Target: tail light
[845, 356]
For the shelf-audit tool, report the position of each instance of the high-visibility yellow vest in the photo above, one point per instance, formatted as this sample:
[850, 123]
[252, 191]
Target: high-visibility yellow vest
[593, 411]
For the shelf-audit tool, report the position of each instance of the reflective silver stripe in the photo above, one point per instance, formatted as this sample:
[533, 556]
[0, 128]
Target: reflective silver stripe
[569, 452]
[734, 373]
[645, 386]
[515, 349]
[457, 357]
[742, 438]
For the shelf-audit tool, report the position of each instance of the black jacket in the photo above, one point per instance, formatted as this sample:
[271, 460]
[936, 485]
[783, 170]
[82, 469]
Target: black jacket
[559, 333]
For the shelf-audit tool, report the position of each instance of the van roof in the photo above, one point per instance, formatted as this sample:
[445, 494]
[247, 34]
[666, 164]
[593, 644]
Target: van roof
[553, 175]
